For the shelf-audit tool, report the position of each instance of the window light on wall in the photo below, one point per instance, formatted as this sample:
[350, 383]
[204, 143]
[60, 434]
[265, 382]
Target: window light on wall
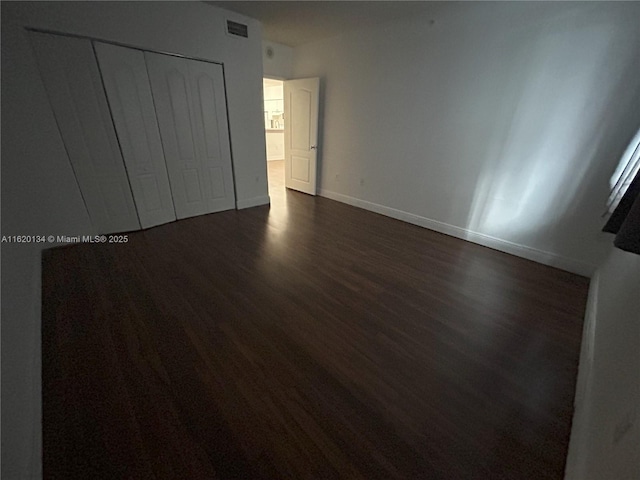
[623, 205]
[625, 173]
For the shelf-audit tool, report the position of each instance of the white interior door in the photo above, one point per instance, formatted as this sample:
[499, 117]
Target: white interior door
[301, 98]
[126, 82]
[192, 115]
[70, 73]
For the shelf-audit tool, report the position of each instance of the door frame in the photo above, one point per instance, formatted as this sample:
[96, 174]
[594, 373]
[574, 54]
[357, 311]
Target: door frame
[320, 124]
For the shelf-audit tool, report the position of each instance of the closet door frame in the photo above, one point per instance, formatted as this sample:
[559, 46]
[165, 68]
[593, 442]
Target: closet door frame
[170, 54]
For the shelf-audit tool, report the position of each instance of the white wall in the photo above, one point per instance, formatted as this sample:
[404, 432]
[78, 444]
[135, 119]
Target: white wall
[39, 192]
[605, 438]
[500, 122]
[280, 64]
[31, 164]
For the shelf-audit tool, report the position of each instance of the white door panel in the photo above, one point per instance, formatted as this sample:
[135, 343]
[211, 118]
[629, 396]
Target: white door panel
[300, 168]
[301, 100]
[124, 73]
[210, 107]
[191, 111]
[169, 78]
[70, 73]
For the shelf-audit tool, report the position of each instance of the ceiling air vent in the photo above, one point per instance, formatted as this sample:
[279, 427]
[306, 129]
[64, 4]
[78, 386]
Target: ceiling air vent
[237, 29]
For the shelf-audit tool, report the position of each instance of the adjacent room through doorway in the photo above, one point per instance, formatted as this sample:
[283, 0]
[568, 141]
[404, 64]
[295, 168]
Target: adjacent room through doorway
[274, 134]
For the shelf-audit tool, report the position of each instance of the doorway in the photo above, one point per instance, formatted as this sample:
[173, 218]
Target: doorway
[291, 111]
[274, 134]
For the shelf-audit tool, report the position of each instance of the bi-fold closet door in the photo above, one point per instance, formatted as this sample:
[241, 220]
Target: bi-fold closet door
[191, 109]
[71, 77]
[126, 83]
[146, 134]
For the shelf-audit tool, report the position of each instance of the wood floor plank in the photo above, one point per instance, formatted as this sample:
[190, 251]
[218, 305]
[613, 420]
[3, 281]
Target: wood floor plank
[309, 339]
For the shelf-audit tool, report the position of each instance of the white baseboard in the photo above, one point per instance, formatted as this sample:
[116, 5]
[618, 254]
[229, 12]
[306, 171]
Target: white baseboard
[540, 256]
[575, 468]
[253, 202]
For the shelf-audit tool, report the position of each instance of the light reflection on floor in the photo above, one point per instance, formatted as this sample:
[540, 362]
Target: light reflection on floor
[278, 211]
[277, 190]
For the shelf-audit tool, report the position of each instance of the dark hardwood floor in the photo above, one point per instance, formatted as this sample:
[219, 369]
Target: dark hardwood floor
[309, 340]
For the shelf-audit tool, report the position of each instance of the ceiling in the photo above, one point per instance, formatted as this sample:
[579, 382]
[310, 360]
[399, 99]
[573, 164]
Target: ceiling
[294, 23]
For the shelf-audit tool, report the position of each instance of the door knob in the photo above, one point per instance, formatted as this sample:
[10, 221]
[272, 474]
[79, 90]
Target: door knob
[313, 147]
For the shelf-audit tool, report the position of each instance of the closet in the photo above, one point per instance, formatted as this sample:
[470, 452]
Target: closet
[146, 133]
[126, 83]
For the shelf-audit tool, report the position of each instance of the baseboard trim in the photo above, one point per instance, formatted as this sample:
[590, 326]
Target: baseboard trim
[575, 468]
[547, 258]
[253, 202]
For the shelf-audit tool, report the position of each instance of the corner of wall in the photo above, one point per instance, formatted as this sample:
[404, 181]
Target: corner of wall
[572, 265]
[277, 60]
[606, 428]
[575, 468]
